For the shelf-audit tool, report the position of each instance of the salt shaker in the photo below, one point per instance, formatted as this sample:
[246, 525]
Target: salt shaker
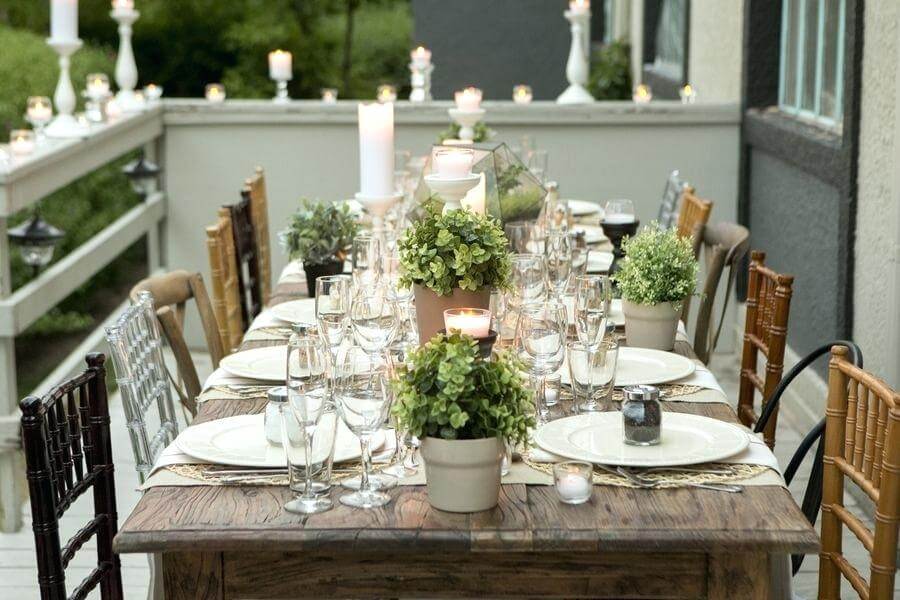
[641, 415]
[278, 401]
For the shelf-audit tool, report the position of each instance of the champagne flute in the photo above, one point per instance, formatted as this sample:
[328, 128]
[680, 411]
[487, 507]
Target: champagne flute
[540, 344]
[333, 309]
[364, 259]
[593, 295]
[558, 261]
[364, 396]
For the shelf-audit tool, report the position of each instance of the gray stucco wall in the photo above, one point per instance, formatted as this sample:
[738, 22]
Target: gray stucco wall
[494, 45]
[794, 219]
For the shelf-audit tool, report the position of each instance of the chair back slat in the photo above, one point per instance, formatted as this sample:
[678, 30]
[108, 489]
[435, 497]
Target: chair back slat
[692, 216]
[246, 254]
[671, 199]
[765, 333]
[136, 350]
[259, 211]
[862, 446]
[65, 436]
[226, 297]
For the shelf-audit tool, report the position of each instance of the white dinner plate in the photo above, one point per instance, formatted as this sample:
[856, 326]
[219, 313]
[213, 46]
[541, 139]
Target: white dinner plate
[593, 234]
[581, 208]
[241, 441]
[266, 364]
[295, 311]
[686, 440]
[599, 262]
[615, 311]
[636, 366]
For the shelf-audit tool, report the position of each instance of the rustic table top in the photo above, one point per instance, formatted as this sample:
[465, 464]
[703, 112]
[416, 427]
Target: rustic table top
[527, 519]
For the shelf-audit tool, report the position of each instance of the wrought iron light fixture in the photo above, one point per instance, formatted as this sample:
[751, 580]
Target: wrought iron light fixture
[143, 175]
[37, 240]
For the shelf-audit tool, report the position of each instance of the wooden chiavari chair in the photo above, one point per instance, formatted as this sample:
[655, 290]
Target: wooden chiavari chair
[692, 216]
[671, 199]
[246, 254]
[765, 331]
[226, 295]
[259, 212]
[862, 445]
[67, 446]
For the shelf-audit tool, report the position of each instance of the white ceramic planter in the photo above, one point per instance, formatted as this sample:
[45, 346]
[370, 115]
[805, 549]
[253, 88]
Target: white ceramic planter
[650, 326]
[462, 475]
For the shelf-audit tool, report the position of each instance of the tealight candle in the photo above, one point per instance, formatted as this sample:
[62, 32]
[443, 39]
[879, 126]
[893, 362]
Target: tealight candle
[421, 57]
[573, 481]
[453, 163]
[123, 5]
[468, 321]
[21, 142]
[642, 94]
[580, 7]
[688, 94]
[215, 93]
[153, 92]
[39, 110]
[522, 94]
[329, 95]
[468, 99]
[97, 86]
[280, 65]
[386, 93]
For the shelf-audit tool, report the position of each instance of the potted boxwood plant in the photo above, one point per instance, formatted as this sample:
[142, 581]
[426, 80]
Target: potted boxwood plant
[319, 235]
[463, 408]
[658, 273]
[452, 260]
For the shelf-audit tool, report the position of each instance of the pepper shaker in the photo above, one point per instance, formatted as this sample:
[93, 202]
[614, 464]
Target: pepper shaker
[641, 415]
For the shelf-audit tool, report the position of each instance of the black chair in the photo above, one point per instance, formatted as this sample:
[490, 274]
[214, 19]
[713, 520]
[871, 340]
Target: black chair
[246, 252]
[67, 446]
[812, 496]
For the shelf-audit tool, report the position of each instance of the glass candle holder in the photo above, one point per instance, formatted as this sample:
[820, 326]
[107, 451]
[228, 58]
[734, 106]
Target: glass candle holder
[619, 210]
[329, 95]
[642, 94]
[468, 99]
[39, 113]
[468, 321]
[573, 481]
[21, 142]
[215, 93]
[522, 94]
[97, 86]
[453, 163]
[153, 92]
[386, 93]
[688, 94]
[420, 57]
[552, 389]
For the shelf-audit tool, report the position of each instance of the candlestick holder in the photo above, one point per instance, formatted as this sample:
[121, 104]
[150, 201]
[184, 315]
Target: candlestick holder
[451, 189]
[578, 64]
[126, 68]
[466, 119]
[420, 82]
[616, 232]
[377, 206]
[64, 124]
[281, 92]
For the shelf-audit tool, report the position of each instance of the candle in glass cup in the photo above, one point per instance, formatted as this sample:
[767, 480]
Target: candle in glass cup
[618, 211]
[386, 93]
[580, 7]
[643, 94]
[688, 94]
[21, 142]
[376, 149]
[453, 163]
[39, 111]
[64, 20]
[421, 57]
[123, 5]
[280, 65]
[468, 321]
[468, 99]
[97, 85]
[153, 92]
[573, 481]
[329, 95]
[215, 92]
[522, 94]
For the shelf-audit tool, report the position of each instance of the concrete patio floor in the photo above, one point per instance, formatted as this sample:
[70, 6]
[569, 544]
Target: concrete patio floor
[18, 578]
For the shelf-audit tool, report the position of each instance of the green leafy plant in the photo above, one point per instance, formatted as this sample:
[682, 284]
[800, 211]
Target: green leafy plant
[448, 391]
[611, 72]
[457, 249]
[508, 178]
[659, 266]
[319, 232]
[482, 133]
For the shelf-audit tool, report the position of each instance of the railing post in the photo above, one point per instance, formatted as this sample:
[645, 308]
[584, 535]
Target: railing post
[10, 476]
[156, 236]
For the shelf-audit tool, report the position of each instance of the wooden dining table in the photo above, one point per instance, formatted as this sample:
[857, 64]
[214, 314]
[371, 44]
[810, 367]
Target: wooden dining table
[226, 541]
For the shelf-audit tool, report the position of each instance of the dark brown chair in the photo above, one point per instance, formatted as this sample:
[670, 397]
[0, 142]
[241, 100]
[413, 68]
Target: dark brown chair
[724, 245]
[765, 332]
[259, 210]
[246, 254]
[67, 446]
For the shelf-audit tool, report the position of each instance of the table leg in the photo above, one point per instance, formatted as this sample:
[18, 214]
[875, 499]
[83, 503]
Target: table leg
[193, 575]
[743, 575]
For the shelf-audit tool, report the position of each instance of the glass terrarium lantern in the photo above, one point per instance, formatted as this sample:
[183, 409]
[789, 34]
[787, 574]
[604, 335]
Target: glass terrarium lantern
[512, 193]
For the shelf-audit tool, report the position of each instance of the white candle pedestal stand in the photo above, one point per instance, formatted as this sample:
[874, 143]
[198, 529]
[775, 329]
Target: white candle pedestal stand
[64, 124]
[578, 64]
[467, 119]
[126, 68]
[451, 190]
[378, 206]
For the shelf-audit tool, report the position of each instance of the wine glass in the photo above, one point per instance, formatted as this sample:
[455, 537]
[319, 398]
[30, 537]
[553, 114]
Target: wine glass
[519, 234]
[593, 295]
[558, 261]
[374, 319]
[540, 344]
[307, 387]
[618, 211]
[333, 309]
[537, 164]
[363, 394]
[364, 260]
[527, 279]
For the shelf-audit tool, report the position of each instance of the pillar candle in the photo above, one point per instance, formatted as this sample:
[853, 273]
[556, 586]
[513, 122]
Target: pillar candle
[376, 149]
[468, 99]
[580, 7]
[64, 20]
[280, 65]
[468, 321]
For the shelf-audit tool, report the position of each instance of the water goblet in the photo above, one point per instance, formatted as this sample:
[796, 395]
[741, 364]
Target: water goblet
[540, 344]
[519, 234]
[558, 262]
[374, 319]
[527, 279]
[333, 309]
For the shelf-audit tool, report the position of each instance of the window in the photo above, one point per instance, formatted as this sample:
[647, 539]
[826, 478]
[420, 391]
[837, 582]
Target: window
[670, 37]
[812, 59]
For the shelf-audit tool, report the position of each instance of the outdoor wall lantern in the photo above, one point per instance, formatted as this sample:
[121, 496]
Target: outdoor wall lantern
[36, 239]
[143, 175]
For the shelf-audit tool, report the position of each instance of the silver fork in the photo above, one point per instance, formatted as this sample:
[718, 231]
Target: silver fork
[641, 481]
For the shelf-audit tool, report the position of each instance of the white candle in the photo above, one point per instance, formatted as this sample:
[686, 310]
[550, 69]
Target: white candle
[474, 199]
[153, 92]
[421, 57]
[376, 150]
[329, 95]
[468, 99]
[580, 7]
[215, 93]
[618, 219]
[39, 110]
[21, 142]
[642, 94]
[386, 93]
[280, 65]
[64, 20]
[123, 5]
[468, 321]
[453, 163]
[688, 94]
[522, 94]
[573, 487]
[97, 86]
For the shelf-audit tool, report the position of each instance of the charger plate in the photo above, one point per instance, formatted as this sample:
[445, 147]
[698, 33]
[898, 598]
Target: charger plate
[241, 441]
[686, 440]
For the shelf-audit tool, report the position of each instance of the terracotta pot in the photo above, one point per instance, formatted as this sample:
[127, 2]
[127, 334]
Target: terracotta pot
[430, 307]
[313, 272]
[462, 475]
[650, 326]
